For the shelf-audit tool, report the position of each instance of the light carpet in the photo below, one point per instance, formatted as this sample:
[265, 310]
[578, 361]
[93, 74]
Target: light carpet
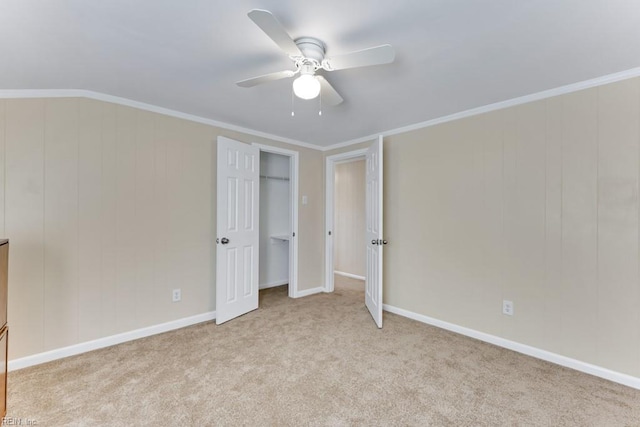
[318, 360]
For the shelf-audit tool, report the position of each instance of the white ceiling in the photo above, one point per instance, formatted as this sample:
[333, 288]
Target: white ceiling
[451, 55]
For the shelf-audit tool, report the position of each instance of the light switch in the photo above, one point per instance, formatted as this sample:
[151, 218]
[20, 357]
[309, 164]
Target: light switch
[305, 200]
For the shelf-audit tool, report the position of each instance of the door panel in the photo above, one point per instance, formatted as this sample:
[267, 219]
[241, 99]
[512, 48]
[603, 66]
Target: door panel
[237, 230]
[373, 233]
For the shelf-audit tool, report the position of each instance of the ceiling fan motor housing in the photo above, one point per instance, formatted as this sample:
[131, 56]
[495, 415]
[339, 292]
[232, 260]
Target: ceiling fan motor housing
[312, 49]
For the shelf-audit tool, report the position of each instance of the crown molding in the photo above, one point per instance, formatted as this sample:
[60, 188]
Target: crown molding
[81, 93]
[562, 90]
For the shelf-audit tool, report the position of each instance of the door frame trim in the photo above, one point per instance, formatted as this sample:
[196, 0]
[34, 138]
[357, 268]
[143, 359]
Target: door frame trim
[330, 163]
[294, 158]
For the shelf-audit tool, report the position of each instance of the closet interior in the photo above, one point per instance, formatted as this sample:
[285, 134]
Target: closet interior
[275, 219]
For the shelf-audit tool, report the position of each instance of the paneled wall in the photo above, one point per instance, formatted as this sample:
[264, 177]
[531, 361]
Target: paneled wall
[349, 221]
[109, 208]
[537, 204]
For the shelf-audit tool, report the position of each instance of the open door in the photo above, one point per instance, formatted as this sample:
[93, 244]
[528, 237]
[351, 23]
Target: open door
[237, 242]
[373, 232]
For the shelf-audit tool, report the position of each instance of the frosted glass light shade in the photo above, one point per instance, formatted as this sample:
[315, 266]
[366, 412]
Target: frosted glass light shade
[306, 86]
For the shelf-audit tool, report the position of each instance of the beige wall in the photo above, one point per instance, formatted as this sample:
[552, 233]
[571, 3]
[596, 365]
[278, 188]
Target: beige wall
[349, 222]
[537, 204]
[107, 209]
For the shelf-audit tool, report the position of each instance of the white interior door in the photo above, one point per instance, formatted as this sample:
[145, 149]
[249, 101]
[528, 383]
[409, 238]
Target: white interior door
[237, 233]
[373, 232]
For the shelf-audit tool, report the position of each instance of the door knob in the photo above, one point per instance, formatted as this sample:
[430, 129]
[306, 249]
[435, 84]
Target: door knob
[224, 241]
[374, 242]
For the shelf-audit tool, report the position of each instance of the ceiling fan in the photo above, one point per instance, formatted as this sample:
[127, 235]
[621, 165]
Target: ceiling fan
[307, 54]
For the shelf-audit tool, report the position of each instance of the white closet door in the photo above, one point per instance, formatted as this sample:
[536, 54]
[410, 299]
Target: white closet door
[237, 229]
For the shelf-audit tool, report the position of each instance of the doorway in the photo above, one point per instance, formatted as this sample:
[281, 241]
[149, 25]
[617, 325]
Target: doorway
[332, 240]
[278, 222]
[275, 220]
[373, 237]
[349, 219]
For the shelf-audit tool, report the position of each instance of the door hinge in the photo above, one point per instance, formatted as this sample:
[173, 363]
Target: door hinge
[329, 233]
[294, 234]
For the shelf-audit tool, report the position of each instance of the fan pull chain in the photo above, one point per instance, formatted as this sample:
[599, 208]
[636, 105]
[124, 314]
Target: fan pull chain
[292, 111]
[320, 110]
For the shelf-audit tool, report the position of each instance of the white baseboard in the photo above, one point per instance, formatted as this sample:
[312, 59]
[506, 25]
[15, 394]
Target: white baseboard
[274, 284]
[84, 347]
[307, 292]
[353, 276]
[548, 356]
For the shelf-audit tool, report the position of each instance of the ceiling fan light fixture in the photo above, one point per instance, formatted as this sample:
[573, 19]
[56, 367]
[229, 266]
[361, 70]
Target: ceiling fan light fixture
[308, 55]
[306, 86]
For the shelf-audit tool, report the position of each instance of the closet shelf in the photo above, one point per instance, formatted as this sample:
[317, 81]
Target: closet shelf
[279, 178]
[283, 237]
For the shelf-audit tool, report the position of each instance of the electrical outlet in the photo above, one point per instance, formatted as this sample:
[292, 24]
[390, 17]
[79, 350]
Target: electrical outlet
[177, 295]
[507, 307]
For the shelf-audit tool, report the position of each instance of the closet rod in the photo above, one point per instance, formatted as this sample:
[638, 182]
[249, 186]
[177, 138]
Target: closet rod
[281, 178]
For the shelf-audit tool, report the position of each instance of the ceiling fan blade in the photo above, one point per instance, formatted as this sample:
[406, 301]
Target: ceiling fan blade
[329, 95]
[272, 28]
[254, 81]
[382, 54]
